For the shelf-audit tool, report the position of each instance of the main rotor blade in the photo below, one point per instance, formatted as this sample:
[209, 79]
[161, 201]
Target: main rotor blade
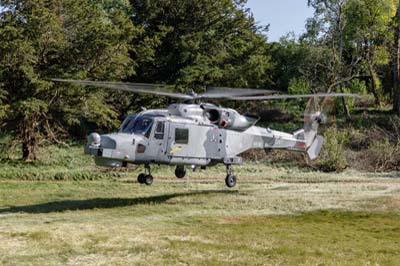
[293, 96]
[213, 92]
[227, 92]
[132, 87]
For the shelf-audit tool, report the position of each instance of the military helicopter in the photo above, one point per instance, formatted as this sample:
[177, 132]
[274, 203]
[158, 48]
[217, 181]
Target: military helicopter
[198, 134]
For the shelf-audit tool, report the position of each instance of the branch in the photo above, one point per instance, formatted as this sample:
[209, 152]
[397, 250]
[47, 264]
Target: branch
[345, 80]
[52, 135]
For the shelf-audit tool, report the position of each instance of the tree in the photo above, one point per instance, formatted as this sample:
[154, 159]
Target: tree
[42, 39]
[368, 31]
[200, 42]
[358, 34]
[288, 56]
[327, 28]
[396, 62]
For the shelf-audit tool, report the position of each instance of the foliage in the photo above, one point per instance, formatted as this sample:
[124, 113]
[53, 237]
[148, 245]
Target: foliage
[198, 43]
[396, 61]
[42, 39]
[3, 106]
[157, 41]
[369, 31]
[288, 56]
[358, 33]
[350, 46]
[333, 158]
[384, 155]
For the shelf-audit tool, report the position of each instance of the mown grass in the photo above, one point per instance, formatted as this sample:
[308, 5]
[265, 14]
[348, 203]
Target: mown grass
[56, 163]
[275, 216]
[123, 223]
[60, 163]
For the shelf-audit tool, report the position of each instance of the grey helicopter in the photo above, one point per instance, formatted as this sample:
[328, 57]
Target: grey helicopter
[195, 134]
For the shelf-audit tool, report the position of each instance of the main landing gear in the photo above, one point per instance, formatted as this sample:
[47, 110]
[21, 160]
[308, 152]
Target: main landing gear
[230, 179]
[180, 171]
[145, 178]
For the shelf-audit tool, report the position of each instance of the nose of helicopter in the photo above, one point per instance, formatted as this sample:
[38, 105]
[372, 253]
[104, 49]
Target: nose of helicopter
[111, 150]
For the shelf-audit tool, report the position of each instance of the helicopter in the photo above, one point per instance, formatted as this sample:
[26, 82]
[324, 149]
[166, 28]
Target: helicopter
[195, 134]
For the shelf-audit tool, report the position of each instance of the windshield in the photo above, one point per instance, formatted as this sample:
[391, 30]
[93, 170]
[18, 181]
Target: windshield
[137, 125]
[128, 123]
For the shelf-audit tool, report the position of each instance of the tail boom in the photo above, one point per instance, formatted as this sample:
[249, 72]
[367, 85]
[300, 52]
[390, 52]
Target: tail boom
[301, 140]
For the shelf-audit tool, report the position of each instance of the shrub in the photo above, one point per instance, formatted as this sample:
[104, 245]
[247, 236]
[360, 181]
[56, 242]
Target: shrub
[384, 155]
[358, 140]
[332, 158]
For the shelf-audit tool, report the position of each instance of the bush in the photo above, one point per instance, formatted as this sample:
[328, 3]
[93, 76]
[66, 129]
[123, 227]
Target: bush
[384, 155]
[333, 158]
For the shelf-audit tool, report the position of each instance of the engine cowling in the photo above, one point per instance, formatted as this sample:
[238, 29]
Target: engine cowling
[228, 118]
[213, 115]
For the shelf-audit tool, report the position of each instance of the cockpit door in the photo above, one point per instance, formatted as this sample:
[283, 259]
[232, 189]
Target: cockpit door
[178, 142]
[158, 141]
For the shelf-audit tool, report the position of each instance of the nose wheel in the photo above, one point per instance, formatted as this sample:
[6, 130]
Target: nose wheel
[230, 179]
[145, 178]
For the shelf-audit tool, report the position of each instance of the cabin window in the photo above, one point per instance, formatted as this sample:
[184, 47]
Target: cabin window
[159, 132]
[181, 135]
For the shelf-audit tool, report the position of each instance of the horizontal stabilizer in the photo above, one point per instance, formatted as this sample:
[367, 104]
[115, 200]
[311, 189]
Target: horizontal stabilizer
[315, 147]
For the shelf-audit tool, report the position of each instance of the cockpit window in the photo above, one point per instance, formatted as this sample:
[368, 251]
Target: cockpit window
[128, 124]
[137, 125]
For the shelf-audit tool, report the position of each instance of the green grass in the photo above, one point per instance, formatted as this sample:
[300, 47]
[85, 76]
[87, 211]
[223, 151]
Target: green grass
[199, 223]
[55, 163]
[275, 216]
[59, 163]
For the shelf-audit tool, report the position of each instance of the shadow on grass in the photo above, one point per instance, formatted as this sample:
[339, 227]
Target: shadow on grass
[102, 203]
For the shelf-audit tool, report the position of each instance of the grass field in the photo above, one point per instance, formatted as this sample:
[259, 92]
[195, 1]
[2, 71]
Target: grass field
[275, 216]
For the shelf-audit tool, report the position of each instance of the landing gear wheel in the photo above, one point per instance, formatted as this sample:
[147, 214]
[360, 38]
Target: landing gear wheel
[230, 180]
[140, 178]
[180, 172]
[148, 180]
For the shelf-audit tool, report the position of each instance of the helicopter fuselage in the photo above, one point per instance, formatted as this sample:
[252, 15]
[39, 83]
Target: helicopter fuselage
[188, 134]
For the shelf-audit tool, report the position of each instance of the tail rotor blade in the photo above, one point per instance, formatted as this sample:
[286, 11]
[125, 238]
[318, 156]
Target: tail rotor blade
[328, 108]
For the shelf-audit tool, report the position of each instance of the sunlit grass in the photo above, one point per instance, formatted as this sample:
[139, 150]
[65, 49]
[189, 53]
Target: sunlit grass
[118, 222]
[277, 215]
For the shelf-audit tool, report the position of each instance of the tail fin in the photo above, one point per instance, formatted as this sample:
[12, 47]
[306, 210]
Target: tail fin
[314, 149]
[310, 142]
[312, 119]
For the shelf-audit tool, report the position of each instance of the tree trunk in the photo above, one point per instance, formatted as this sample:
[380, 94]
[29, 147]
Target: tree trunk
[29, 150]
[29, 143]
[372, 72]
[396, 64]
[341, 63]
[345, 107]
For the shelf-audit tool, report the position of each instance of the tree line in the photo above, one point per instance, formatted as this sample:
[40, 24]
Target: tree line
[349, 45]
